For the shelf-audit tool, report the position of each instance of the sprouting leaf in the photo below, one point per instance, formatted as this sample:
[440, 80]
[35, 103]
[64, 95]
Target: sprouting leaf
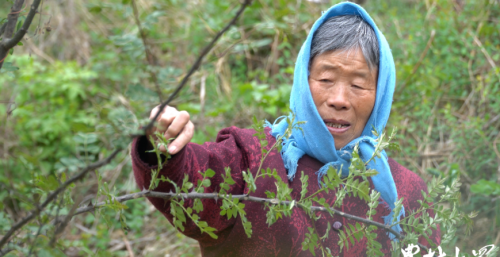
[209, 173]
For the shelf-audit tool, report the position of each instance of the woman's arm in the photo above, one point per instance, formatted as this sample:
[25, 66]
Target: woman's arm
[189, 160]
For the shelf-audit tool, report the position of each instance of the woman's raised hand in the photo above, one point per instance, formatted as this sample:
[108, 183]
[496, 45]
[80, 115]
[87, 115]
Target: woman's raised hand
[173, 124]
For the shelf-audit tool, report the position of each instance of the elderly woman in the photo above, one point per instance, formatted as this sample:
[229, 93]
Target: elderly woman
[343, 86]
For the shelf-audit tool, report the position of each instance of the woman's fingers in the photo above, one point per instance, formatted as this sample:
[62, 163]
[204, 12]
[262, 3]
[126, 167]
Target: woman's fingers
[182, 139]
[165, 121]
[173, 123]
[157, 127]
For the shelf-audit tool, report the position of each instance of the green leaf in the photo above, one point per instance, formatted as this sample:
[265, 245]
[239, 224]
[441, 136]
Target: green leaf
[485, 187]
[95, 9]
[209, 173]
[394, 147]
[8, 66]
[197, 205]
[206, 182]
[19, 25]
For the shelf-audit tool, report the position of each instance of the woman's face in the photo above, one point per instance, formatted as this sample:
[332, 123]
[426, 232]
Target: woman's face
[343, 89]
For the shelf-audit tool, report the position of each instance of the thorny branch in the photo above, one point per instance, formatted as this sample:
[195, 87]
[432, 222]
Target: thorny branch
[9, 39]
[107, 160]
[193, 195]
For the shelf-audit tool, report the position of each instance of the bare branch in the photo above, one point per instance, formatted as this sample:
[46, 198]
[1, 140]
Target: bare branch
[55, 193]
[196, 65]
[8, 42]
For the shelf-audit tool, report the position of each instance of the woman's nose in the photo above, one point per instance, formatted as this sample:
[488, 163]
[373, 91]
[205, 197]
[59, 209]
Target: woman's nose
[338, 97]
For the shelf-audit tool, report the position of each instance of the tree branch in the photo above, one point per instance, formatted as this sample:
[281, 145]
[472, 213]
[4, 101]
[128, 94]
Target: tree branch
[196, 65]
[54, 194]
[2, 29]
[215, 196]
[24, 29]
[6, 251]
[8, 42]
[12, 20]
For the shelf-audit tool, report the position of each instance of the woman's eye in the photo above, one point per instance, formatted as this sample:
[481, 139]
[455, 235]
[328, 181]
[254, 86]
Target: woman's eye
[324, 80]
[356, 86]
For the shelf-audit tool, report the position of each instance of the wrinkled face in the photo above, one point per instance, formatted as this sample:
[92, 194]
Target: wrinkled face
[343, 89]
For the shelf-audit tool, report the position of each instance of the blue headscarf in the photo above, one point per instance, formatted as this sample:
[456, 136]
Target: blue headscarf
[316, 141]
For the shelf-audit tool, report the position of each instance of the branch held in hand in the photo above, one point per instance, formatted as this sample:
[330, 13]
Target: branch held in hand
[196, 65]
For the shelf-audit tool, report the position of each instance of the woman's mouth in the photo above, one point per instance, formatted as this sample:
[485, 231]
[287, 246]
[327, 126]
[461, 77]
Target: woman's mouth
[337, 126]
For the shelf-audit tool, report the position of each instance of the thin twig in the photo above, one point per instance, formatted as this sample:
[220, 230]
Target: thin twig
[33, 244]
[42, 224]
[59, 229]
[495, 145]
[486, 54]
[196, 65]
[25, 4]
[127, 245]
[55, 193]
[422, 56]
[149, 56]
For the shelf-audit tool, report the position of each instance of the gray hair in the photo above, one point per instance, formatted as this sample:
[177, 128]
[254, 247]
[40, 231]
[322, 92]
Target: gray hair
[346, 32]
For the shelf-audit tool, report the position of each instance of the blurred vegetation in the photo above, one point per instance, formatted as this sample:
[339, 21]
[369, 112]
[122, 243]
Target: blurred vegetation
[80, 83]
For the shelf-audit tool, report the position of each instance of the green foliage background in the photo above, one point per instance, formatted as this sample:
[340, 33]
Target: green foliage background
[72, 93]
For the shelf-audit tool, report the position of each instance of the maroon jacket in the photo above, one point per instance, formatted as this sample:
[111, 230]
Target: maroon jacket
[240, 150]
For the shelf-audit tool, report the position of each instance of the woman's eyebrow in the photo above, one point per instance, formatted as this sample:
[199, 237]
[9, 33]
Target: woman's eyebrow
[358, 73]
